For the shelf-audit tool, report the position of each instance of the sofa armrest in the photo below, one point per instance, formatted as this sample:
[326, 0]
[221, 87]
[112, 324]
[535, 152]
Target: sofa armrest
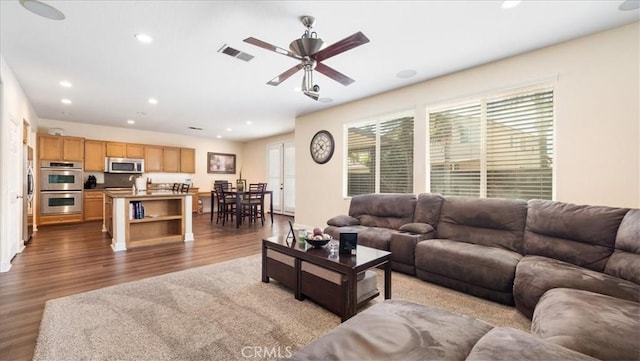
[343, 221]
[417, 228]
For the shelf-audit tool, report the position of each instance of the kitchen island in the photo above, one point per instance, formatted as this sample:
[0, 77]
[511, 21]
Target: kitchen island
[166, 218]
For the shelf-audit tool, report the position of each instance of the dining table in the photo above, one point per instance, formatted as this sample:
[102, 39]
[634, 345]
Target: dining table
[238, 196]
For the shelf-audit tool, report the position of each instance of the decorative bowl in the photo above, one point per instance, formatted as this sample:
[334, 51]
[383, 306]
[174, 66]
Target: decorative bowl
[318, 243]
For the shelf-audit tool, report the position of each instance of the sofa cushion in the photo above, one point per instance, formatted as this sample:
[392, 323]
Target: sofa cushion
[343, 221]
[383, 210]
[485, 221]
[508, 344]
[487, 267]
[428, 207]
[625, 260]
[578, 234]
[398, 330]
[604, 327]
[374, 237]
[535, 275]
[417, 228]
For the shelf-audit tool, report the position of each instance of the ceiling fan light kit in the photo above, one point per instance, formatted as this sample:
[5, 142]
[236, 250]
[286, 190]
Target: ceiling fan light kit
[42, 9]
[307, 49]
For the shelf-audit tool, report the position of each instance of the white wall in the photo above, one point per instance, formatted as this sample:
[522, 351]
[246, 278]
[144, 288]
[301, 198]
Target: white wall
[201, 178]
[597, 121]
[14, 108]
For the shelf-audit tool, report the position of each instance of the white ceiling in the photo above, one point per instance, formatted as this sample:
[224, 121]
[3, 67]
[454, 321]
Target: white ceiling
[113, 74]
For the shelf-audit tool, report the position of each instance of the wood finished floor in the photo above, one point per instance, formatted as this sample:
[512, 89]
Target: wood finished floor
[63, 260]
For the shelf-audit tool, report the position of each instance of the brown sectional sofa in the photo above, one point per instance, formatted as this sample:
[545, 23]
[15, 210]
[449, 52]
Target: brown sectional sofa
[515, 252]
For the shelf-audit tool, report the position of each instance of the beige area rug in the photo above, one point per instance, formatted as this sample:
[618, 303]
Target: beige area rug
[217, 312]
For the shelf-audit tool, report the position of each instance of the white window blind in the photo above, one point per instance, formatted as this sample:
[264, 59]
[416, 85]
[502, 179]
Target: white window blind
[494, 148]
[380, 157]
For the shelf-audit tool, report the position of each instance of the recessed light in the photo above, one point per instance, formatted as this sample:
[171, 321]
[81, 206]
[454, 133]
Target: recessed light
[510, 4]
[65, 84]
[228, 129]
[153, 101]
[66, 101]
[144, 38]
[404, 74]
[218, 136]
[325, 100]
[131, 121]
[297, 89]
[249, 122]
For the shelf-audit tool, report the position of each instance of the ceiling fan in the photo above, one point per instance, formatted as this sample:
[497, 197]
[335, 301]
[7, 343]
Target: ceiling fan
[307, 50]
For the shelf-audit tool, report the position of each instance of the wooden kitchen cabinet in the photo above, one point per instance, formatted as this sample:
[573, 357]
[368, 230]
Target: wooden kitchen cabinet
[94, 153]
[152, 158]
[171, 159]
[92, 204]
[135, 151]
[187, 160]
[125, 150]
[56, 147]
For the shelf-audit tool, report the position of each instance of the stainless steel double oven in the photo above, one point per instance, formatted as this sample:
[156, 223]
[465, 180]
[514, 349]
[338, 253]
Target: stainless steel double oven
[60, 187]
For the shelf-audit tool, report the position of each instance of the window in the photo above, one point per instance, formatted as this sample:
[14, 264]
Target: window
[380, 157]
[496, 148]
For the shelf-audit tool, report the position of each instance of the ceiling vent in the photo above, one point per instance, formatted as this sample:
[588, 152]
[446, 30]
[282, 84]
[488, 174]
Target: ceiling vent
[235, 53]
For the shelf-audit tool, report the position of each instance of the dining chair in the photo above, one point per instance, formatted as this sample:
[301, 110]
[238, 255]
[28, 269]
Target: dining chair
[176, 187]
[226, 205]
[253, 202]
[184, 187]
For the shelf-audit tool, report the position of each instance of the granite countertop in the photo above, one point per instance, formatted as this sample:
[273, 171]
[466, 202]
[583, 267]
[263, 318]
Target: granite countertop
[141, 194]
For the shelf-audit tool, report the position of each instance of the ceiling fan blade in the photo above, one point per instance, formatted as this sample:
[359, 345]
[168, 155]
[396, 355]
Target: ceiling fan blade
[265, 45]
[333, 74]
[341, 46]
[284, 76]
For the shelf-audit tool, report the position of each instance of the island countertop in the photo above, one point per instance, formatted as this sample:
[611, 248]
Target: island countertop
[144, 194]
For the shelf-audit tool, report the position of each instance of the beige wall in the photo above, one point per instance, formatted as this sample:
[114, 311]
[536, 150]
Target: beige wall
[201, 179]
[596, 79]
[255, 157]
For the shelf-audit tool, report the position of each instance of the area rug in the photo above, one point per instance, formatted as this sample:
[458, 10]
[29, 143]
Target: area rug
[217, 312]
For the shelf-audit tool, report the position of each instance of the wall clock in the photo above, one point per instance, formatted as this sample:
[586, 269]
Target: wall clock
[322, 147]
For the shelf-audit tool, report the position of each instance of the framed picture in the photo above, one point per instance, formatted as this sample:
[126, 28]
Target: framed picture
[221, 163]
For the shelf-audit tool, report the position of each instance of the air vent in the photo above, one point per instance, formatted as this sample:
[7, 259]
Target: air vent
[195, 128]
[225, 49]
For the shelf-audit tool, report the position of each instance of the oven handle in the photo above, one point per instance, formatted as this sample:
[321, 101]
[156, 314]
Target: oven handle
[74, 192]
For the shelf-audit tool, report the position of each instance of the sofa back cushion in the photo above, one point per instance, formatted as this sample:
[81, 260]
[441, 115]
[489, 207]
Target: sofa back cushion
[493, 222]
[578, 234]
[385, 210]
[428, 208]
[625, 261]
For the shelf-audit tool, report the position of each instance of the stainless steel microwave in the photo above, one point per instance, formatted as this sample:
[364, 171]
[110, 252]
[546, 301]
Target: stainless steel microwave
[123, 165]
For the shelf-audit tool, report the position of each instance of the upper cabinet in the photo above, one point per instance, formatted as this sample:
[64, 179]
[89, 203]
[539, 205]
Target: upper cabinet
[125, 150]
[94, 153]
[187, 160]
[152, 158]
[171, 159]
[55, 147]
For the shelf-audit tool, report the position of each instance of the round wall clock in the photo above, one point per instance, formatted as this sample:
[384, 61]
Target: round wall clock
[322, 146]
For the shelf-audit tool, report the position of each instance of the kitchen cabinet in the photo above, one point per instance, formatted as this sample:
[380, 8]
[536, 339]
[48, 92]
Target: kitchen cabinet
[152, 158]
[94, 153]
[56, 147]
[171, 159]
[92, 205]
[125, 150]
[187, 160]
[194, 199]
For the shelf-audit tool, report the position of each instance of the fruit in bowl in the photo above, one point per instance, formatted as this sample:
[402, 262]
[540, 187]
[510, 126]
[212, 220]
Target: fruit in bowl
[317, 238]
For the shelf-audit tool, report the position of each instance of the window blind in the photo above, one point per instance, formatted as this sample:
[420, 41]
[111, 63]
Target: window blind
[380, 157]
[455, 151]
[499, 147]
[520, 146]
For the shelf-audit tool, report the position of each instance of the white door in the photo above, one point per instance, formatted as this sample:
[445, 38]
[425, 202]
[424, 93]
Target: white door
[281, 176]
[12, 202]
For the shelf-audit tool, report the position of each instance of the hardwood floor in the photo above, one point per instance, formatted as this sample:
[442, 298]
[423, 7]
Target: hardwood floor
[66, 259]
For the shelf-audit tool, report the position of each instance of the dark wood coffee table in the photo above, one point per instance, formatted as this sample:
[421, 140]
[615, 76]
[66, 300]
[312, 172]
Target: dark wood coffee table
[347, 265]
